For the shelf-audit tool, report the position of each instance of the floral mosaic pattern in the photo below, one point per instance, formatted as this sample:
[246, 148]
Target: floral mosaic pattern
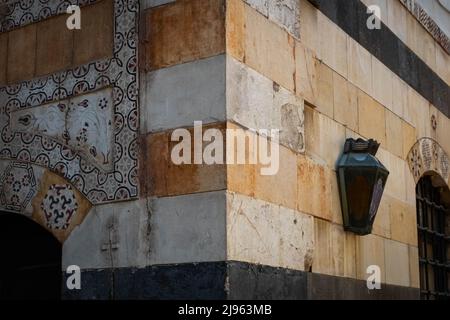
[18, 186]
[59, 206]
[427, 155]
[106, 173]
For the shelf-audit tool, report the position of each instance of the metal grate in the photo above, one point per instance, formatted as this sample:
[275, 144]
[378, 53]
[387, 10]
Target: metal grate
[432, 223]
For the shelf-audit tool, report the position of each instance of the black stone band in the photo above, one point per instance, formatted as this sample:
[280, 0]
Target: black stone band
[224, 280]
[351, 16]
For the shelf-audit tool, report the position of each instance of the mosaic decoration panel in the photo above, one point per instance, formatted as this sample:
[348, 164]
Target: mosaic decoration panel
[97, 155]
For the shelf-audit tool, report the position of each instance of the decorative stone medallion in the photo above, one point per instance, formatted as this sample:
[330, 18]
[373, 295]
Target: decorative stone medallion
[428, 156]
[102, 167]
[59, 206]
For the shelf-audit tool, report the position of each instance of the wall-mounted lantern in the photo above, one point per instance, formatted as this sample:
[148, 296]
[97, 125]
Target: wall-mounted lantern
[361, 178]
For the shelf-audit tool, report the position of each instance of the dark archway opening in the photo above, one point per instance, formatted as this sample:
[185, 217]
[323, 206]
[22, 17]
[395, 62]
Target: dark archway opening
[30, 260]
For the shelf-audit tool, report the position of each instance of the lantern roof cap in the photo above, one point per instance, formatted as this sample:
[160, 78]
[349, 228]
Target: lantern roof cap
[361, 146]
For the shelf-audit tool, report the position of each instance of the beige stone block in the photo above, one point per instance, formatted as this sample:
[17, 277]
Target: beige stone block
[394, 134]
[403, 222]
[309, 26]
[342, 252]
[280, 188]
[410, 187]
[324, 137]
[263, 233]
[382, 83]
[345, 102]
[397, 263]
[426, 48]
[336, 211]
[306, 73]
[269, 49]
[399, 96]
[333, 45]
[325, 94]
[418, 113]
[369, 251]
[235, 29]
[414, 271]
[21, 54]
[411, 33]
[350, 265]
[409, 138]
[359, 66]
[396, 19]
[322, 261]
[382, 223]
[372, 123]
[314, 188]
[395, 186]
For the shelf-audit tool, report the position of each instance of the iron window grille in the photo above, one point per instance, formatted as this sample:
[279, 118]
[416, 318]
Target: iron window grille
[433, 233]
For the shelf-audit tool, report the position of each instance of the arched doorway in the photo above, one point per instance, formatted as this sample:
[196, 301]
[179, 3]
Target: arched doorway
[30, 261]
[433, 223]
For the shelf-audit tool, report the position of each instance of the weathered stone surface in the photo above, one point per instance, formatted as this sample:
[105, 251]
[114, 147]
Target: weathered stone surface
[264, 233]
[179, 95]
[112, 236]
[397, 263]
[372, 119]
[370, 251]
[394, 134]
[269, 49]
[345, 102]
[359, 66]
[306, 73]
[333, 45]
[162, 177]
[314, 188]
[255, 102]
[381, 83]
[399, 96]
[21, 54]
[189, 228]
[95, 40]
[324, 137]
[54, 46]
[403, 222]
[325, 98]
[184, 31]
[414, 273]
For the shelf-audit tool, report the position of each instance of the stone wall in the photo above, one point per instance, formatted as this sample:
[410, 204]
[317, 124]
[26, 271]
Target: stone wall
[139, 224]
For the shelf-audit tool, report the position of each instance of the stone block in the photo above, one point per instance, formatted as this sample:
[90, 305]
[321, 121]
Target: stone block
[314, 188]
[345, 102]
[21, 54]
[184, 31]
[414, 272]
[306, 73]
[399, 96]
[269, 49]
[325, 97]
[397, 263]
[369, 252]
[382, 83]
[372, 119]
[403, 222]
[263, 233]
[177, 96]
[95, 40]
[359, 66]
[394, 134]
[333, 45]
[54, 46]
[189, 228]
